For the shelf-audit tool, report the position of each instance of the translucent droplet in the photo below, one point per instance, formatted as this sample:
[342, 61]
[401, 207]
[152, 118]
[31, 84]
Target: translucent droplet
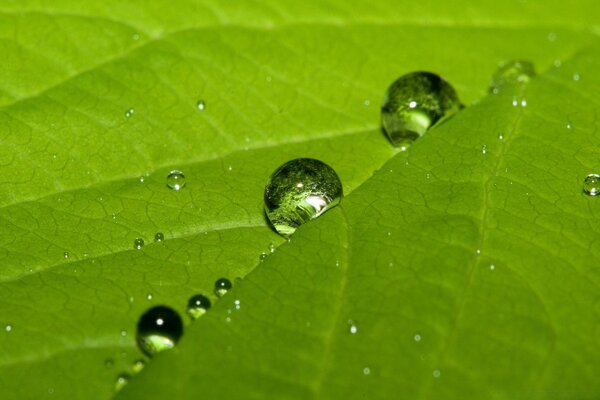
[159, 237]
[523, 102]
[201, 105]
[352, 327]
[569, 125]
[159, 329]
[484, 149]
[198, 305]
[237, 303]
[109, 362]
[492, 267]
[138, 365]
[149, 296]
[66, 255]
[557, 63]
[518, 72]
[436, 373]
[367, 371]
[129, 113]
[175, 180]
[8, 327]
[222, 286]
[138, 243]
[272, 247]
[515, 101]
[576, 76]
[141, 179]
[262, 257]
[552, 36]
[121, 381]
[414, 103]
[417, 337]
[298, 191]
[500, 136]
[123, 333]
[591, 185]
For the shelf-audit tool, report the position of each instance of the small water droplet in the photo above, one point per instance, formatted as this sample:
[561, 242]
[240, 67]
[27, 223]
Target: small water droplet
[138, 365]
[417, 337]
[141, 179]
[122, 380]
[135, 36]
[576, 76]
[366, 370]
[269, 78]
[569, 125]
[197, 306]
[129, 113]
[262, 257]
[123, 333]
[138, 243]
[175, 180]
[552, 36]
[478, 251]
[222, 286]
[149, 296]
[298, 191]
[367, 102]
[414, 103]
[238, 304]
[159, 237]
[109, 362]
[512, 73]
[523, 102]
[515, 101]
[500, 136]
[66, 255]
[159, 329]
[352, 327]
[201, 105]
[8, 328]
[229, 168]
[436, 373]
[484, 149]
[492, 267]
[591, 185]
[557, 63]
[272, 247]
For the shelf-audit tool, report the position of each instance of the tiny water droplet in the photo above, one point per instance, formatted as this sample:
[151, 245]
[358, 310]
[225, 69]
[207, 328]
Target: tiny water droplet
[478, 251]
[197, 306]
[138, 365]
[269, 78]
[576, 76]
[515, 101]
[557, 63]
[123, 333]
[484, 149]
[414, 103]
[500, 136]
[591, 185]
[436, 373]
[8, 328]
[569, 125]
[417, 337]
[272, 247]
[492, 267]
[512, 73]
[298, 191]
[201, 105]
[367, 102]
[135, 36]
[129, 113]
[175, 180]
[238, 304]
[141, 179]
[366, 370]
[158, 329]
[121, 381]
[352, 328]
[66, 255]
[262, 257]
[138, 243]
[149, 296]
[222, 286]
[523, 102]
[159, 237]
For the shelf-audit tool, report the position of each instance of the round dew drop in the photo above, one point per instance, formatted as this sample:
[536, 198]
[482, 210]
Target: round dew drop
[513, 73]
[197, 306]
[413, 104]
[201, 105]
[138, 243]
[298, 191]
[138, 365]
[159, 329]
[591, 185]
[222, 286]
[121, 381]
[159, 237]
[175, 180]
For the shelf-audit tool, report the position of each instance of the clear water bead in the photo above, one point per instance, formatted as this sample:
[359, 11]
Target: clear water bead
[591, 185]
[175, 180]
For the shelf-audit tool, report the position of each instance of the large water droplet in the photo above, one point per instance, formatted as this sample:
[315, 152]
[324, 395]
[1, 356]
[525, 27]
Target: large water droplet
[298, 191]
[198, 305]
[414, 103]
[138, 243]
[159, 329]
[591, 185]
[222, 286]
[518, 72]
[175, 180]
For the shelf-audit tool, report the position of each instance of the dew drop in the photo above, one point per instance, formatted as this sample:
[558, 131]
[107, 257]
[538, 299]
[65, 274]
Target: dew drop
[159, 237]
[138, 243]
[129, 113]
[576, 76]
[515, 101]
[557, 63]
[492, 267]
[569, 125]
[513, 73]
[523, 102]
[237, 303]
[484, 149]
[121, 381]
[66, 255]
[272, 247]
[367, 371]
[197, 306]
[138, 366]
[552, 36]
[436, 373]
[414, 103]
[417, 337]
[500, 136]
[123, 333]
[175, 180]
[158, 329]
[149, 296]
[591, 185]
[222, 286]
[262, 257]
[298, 191]
[352, 328]
[8, 328]
[201, 105]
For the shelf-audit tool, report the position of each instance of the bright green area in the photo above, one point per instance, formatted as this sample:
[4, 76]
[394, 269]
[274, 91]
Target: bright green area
[466, 274]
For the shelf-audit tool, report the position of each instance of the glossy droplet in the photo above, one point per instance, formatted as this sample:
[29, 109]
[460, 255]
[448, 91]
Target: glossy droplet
[175, 180]
[138, 243]
[121, 381]
[591, 185]
[159, 237]
[201, 105]
[298, 191]
[262, 257]
[159, 329]
[414, 103]
[352, 327]
[222, 286]
[138, 365]
[518, 72]
[484, 149]
[109, 362]
[272, 247]
[66, 255]
[198, 305]
[129, 113]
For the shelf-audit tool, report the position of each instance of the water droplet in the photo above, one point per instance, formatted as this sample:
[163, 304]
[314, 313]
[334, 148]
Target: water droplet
[298, 191]
[484, 149]
[352, 328]
[366, 370]
[141, 179]
[576, 76]
[149, 296]
[591, 185]
[367, 102]
[138, 365]
[222, 286]
[478, 251]
[492, 267]
[135, 36]
[552, 36]
[518, 72]
[262, 257]
[138, 243]
[557, 63]
[414, 103]
[417, 337]
[159, 329]
[500, 136]
[515, 101]
[175, 180]
[523, 102]
[122, 380]
[436, 373]
[109, 362]
[238, 304]
[272, 247]
[569, 125]
[201, 105]
[123, 333]
[197, 306]
[159, 237]
[66, 255]
[129, 113]
[8, 327]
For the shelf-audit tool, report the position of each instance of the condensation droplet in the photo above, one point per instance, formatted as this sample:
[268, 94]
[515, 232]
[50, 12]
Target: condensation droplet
[417, 337]
[591, 185]
[201, 105]
[129, 113]
[484, 149]
[138, 243]
[222, 286]
[352, 327]
[436, 373]
[175, 180]
[66, 255]
[121, 381]
[159, 237]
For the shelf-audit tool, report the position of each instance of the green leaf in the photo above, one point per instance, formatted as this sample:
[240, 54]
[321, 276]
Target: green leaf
[399, 257]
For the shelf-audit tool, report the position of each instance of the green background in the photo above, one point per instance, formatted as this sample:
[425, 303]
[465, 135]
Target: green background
[489, 260]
